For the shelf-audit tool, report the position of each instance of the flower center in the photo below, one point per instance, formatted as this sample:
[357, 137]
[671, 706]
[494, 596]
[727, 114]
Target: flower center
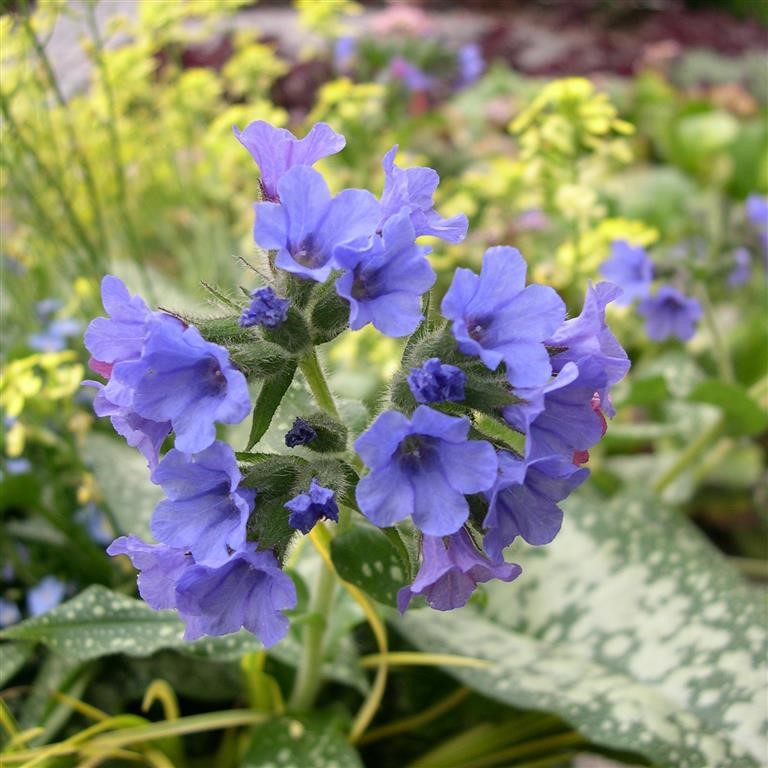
[307, 254]
[212, 377]
[477, 327]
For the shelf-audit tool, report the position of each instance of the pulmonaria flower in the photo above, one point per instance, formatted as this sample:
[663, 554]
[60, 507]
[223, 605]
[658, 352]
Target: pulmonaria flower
[249, 590]
[54, 337]
[450, 570]
[669, 313]
[413, 189]
[630, 268]
[45, 595]
[422, 468]
[582, 456]
[470, 64]
[143, 434]
[301, 433]
[188, 381]
[344, 52]
[414, 78]
[307, 225]
[588, 335]
[757, 215]
[560, 419]
[384, 281]
[742, 267]
[122, 335]
[159, 566]
[306, 509]
[275, 150]
[18, 466]
[206, 512]
[436, 382]
[266, 308]
[9, 613]
[523, 501]
[498, 318]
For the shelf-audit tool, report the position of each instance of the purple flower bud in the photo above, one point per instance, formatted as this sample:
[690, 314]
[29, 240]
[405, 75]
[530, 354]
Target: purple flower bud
[306, 509]
[301, 433]
[266, 308]
[436, 382]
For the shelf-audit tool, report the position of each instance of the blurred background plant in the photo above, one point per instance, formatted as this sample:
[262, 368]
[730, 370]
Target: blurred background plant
[663, 147]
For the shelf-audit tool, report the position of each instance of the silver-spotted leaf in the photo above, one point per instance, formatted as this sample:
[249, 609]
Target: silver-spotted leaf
[631, 627]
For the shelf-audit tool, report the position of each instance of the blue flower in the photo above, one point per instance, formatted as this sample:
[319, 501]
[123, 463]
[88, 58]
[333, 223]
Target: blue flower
[144, 434]
[301, 433]
[631, 269]
[413, 189]
[266, 308]
[54, 337]
[436, 382]
[742, 267]
[422, 468]
[249, 590]
[45, 595]
[450, 570]
[184, 379]
[471, 64]
[307, 225]
[344, 51]
[206, 512]
[559, 419]
[523, 501]
[669, 313]
[122, 335]
[159, 566]
[385, 280]
[19, 466]
[498, 318]
[95, 523]
[276, 150]
[9, 613]
[588, 335]
[410, 75]
[306, 509]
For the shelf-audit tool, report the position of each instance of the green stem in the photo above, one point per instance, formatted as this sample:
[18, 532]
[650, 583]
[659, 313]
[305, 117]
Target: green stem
[51, 180]
[530, 749]
[69, 127]
[719, 348]
[689, 455]
[308, 676]
[313, 373]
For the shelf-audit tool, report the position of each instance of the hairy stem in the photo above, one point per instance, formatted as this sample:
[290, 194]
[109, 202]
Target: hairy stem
[313, 373]
[308, 676]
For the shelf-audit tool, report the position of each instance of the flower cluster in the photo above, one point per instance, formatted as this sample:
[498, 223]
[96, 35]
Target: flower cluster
[668, 313]
[503, 350]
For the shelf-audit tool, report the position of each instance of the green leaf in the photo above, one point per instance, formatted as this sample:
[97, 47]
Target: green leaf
[631, 627]
[365, 557]
[13, 656]
[743, 416]
[99, 622]
[267, 403]
[317, 742]
[123, 477]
